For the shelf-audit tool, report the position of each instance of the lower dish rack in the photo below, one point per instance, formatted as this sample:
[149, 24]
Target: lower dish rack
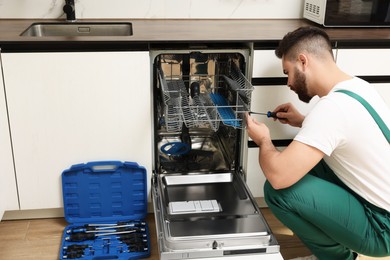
[205, 106]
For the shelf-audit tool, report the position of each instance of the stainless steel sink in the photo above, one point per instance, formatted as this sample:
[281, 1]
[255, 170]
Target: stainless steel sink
[79, 29]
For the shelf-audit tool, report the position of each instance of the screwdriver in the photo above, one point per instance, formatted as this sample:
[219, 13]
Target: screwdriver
[96, 229]
[75, 247]
[79, 237]
[119, 223]
[89, 230]
[268, 114]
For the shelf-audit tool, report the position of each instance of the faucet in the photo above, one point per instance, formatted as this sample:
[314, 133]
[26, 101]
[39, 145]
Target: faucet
[70, 10]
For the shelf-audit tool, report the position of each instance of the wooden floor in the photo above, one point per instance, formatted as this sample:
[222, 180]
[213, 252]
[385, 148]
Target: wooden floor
[40, 239]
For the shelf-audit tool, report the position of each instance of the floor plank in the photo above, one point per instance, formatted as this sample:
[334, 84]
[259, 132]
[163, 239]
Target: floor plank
[41, 238]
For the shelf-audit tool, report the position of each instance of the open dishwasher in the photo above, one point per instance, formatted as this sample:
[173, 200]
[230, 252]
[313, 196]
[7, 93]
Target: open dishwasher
[203, 207]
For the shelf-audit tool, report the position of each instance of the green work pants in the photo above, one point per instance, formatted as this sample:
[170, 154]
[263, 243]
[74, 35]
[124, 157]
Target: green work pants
[330, 219]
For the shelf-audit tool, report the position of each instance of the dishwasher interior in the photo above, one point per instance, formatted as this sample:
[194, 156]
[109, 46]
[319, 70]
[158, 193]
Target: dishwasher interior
[203, 207]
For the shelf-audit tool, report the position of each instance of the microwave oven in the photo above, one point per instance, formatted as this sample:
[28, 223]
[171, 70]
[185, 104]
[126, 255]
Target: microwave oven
[348, 13]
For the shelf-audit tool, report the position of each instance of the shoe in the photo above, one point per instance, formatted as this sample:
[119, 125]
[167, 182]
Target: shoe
[310, 257]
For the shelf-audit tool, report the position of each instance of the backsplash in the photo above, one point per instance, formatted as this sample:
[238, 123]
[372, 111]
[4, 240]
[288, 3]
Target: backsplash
[186, 9]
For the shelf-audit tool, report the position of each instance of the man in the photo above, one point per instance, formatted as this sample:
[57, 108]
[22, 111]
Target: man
[331, 185]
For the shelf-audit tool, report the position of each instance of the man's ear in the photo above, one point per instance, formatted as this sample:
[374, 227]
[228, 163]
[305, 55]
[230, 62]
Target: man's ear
[302, 60]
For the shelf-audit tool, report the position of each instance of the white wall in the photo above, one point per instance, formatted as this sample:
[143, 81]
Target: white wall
[202, 9]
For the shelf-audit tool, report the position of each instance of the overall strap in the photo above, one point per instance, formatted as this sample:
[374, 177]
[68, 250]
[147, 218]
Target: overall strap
[385, 130]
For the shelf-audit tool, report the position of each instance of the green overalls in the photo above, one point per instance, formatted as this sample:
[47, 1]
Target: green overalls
[329, 218]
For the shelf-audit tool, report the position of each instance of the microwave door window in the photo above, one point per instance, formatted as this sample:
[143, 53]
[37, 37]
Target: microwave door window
[357, 12]
[381, 11]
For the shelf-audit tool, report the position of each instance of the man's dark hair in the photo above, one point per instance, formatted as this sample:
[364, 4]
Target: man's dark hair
[309, 39]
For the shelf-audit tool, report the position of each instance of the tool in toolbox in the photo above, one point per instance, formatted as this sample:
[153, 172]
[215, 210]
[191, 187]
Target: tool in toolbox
[105, 203]
[88, 228]
[77, 237]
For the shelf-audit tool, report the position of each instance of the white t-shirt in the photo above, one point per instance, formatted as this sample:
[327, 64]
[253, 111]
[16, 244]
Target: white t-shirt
[354, 146]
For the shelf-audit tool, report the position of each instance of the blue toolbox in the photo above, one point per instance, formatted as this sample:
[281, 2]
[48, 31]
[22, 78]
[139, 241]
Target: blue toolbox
[105, 204]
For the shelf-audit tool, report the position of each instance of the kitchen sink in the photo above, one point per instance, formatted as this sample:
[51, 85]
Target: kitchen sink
[79, 29]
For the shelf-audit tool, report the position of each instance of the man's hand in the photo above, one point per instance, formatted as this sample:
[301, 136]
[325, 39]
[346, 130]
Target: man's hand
[288, 114]
[259, 132]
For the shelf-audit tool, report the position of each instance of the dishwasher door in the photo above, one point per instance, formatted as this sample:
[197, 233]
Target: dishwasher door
[232, 226]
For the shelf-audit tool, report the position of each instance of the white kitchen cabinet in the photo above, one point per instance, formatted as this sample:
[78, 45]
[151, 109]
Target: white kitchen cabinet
[367, 62]
[266, 64]
[68, 108]
[364, 62]
[266, 98]
[8, 194]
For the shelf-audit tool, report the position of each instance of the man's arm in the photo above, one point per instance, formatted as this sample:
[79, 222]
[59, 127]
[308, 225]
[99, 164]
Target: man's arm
[282, 168]
[285, 168]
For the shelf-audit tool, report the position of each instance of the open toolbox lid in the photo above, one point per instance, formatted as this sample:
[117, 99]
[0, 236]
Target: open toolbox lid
[104, 191]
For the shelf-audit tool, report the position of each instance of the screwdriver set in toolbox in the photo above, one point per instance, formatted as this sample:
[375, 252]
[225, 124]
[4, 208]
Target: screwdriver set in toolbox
[105, 204]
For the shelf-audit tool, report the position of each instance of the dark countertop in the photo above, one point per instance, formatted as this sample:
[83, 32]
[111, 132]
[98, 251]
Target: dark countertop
[160, 31]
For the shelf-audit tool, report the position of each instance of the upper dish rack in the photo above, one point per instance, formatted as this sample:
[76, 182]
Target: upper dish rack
[223, 98]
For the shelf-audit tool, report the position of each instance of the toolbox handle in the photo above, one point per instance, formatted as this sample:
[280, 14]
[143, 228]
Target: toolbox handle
[104, 166]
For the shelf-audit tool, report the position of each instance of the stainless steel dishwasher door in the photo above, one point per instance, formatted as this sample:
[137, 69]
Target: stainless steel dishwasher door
[237, 215]
[239, 228]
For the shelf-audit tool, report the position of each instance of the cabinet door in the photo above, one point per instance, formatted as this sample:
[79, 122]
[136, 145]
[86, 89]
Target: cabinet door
[8, 194]
[69, 108]
[367, 62]
[364, 62]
